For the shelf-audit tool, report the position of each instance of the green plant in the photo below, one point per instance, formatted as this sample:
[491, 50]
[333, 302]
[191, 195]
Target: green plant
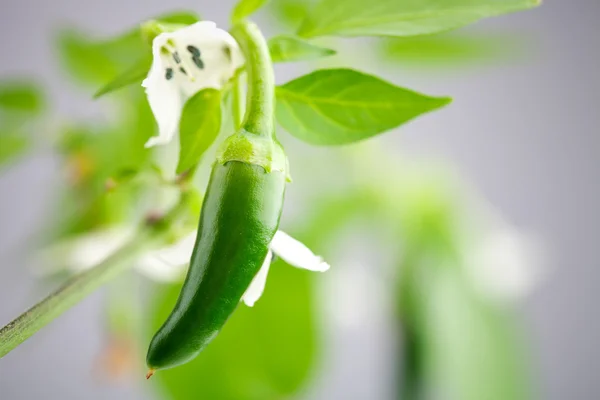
[325, 107]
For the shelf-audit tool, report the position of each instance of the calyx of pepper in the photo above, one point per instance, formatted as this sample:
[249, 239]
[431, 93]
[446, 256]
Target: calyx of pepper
[251, 148]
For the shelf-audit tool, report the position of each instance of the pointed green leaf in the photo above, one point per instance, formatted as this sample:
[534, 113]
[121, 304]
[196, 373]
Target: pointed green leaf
[245, 8]
[134, 75]
[340, 106]
[199, 127]
[285, 48]
[401, 17]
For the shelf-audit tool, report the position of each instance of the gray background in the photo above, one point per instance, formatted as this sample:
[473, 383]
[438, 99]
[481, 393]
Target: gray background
[525, 133]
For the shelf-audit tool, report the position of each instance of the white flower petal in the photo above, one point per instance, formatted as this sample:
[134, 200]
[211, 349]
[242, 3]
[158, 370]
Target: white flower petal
[185, 61]
[158, 270]
[178, 253]
[169, 263]
[81, 252]
[163, 96]
[257, 286]
[93, 248]
[296, 254]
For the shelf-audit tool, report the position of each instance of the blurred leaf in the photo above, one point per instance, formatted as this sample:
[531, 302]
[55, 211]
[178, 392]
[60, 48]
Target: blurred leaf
[291, 48]
[84, 59]
[199, 127]
[134, 39]
[245, 8]
[265, 352]
[135, 74]
[122, 146]
[179, 17]
[96, 62]
[446, 50]
[12, 146]
[467, 348]
[194, 203]
[462, 345]
[340, 106]
[289, 12]
[126, 175]
[401, 18]
[20, 96]
[95, 154]
[478, 354]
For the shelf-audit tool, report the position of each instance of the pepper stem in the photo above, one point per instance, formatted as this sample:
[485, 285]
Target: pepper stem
[260, 100]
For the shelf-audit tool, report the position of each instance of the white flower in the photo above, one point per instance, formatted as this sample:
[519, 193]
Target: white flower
[169, 264]
[504, 264]
[186, 61]
[292, 252]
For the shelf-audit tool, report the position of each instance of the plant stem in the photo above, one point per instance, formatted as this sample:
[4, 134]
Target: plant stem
[238, 105]
[79, 286]
[69, 294]
[260, 100]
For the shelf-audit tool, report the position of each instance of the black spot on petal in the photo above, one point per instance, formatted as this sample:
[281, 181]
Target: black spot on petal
[199, 63]
[227, 51]
[183, 70]
[169, 74]
[194, 50]
[176, 57]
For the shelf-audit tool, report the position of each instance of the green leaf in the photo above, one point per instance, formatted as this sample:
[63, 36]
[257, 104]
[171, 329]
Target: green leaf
[20, 96]
[285, 48]
[435, 51]
[12, 146]
[289, 13]
[401, 17]
[263, 352]
[339, 106]
[85, 60]
[245, 8]
[135, 74]
[199, 127]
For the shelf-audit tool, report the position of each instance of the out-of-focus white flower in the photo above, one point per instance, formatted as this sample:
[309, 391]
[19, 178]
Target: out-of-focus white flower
[83, 252]
[196, 57]
[505, 264]
[169, 264]
[88, 250]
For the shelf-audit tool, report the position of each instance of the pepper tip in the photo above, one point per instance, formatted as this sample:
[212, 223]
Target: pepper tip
[150, 373]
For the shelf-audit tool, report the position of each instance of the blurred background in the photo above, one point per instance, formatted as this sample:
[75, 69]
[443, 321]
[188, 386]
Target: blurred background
[516, 152]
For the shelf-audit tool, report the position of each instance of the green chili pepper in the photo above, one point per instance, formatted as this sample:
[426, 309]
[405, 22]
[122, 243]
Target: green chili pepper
[239, 218]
